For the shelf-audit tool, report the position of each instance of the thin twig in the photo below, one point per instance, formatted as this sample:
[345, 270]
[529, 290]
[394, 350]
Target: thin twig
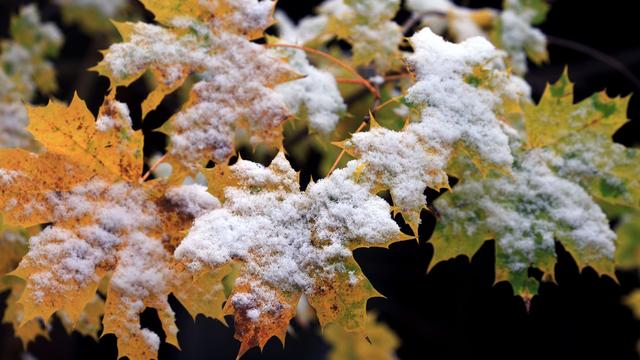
[395, 99]
[367, 119]
[596, 54]
[344, 151]
[341, 63]
[341, 80]
[394, 77]
[153, 168]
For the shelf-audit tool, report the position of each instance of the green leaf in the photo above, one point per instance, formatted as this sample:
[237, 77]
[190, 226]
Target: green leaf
[580, 136]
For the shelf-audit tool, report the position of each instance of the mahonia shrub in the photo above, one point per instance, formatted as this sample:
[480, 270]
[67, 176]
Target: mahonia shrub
[91, 235]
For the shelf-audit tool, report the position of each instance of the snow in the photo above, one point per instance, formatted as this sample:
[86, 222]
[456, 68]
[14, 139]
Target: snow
[375, 10]
[462, 25]
[381, 40]
[98, 227]
[227, 64]
[13, 123]
[152, 43]
[20, 66]
[7, 176]
[308, 28]
[421, 6]
[151, 338]
[262, 300]
[518, 35]
[454, 111]
[253, 314]
[112, 116]
[286, 237]
[459, 19]
[401, 162]
[141, 273]
[193, 199]
[367, 26]
[316, 93]
[248, 15]
[70, 261]
[530, 210]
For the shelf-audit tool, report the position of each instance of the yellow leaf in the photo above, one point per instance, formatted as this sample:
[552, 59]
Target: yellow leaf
[219, 178]
[254, 331]
[110, 144]
[290, 243]
[104, 222]
[26, 331]
[378, 343]
[343, 300]
[206, 294]
[236, 76]
[13, 246]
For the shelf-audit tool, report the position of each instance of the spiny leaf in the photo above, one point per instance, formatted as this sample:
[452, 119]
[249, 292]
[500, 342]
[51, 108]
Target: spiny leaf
[580, 134]
[39, 40]
[13, 246]
[260, 313]
[248, 18]
[289, 243]
[104, 222]
[110, 144]
[514, 32]
[407, 162]
[556, 118]
[206, 294]
[237, 76]
[537, 9]
[343, 301]
[525, 213]
[90, 321]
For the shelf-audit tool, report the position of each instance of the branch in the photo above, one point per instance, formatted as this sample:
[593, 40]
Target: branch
[153, 168]
[596, 54]
[339, 62]
[367, 119]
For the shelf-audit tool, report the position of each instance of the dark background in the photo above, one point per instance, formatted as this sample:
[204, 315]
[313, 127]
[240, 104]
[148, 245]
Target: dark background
[455, 311]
